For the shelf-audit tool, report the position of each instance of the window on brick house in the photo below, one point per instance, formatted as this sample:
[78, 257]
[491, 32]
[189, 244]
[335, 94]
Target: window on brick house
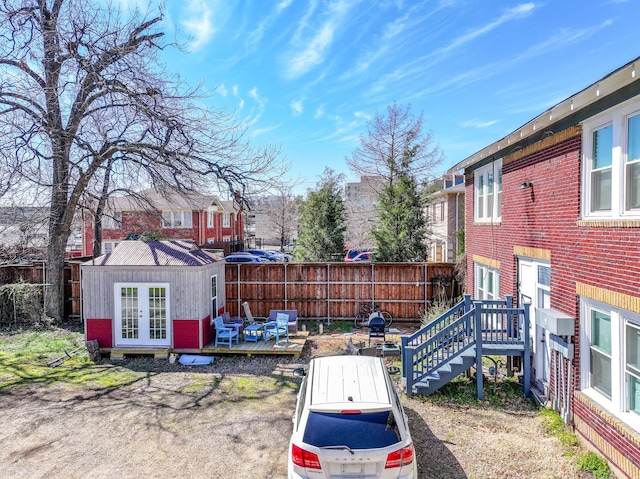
[487, 282]
[176, 219]
[610, 357]
[210, 219]
[112, 221]
[108, 246]
[226, 220]
[611, 162]
[488, 192]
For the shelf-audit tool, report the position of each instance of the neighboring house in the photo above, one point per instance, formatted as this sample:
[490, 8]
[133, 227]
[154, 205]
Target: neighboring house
[553, 218]
[203, 219]
[153, 295]
[446, 214]
[24, 227]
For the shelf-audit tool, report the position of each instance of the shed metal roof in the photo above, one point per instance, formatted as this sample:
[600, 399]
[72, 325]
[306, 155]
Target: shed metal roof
[155, 253]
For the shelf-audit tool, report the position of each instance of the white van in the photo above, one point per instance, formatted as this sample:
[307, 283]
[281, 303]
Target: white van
[349, 422]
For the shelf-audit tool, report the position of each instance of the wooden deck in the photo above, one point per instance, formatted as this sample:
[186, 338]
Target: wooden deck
[293, 347]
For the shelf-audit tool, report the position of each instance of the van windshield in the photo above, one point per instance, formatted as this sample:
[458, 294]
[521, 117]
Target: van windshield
[356, 431]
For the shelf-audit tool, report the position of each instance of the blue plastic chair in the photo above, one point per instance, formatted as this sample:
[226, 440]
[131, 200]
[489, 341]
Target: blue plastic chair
[225, 332]
[277, 328]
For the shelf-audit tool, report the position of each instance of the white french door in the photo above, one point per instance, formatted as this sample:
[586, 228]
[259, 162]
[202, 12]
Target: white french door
[142, 314]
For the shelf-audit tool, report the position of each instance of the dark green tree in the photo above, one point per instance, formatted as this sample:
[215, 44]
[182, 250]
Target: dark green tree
[401, 229]
[322, 221]
[397, 150]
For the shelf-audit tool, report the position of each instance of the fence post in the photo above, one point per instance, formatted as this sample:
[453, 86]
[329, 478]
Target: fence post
[478, 336]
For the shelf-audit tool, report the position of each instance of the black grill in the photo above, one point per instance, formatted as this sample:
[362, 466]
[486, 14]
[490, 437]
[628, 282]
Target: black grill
[376, 323]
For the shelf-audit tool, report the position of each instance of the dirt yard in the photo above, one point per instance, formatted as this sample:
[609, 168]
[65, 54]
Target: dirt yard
[233, 420]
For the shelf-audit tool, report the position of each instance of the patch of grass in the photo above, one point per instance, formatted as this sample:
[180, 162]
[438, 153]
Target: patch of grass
[253, 387]
[506, 393]
[590, 461]
[586, 461]
[556, 427]
[24, 356]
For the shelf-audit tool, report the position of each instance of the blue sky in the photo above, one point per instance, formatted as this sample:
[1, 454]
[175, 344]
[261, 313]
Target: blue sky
[307, 75]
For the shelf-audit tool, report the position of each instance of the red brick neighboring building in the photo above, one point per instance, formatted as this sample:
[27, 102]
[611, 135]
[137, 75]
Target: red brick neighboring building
[553, 218]
[203, 219]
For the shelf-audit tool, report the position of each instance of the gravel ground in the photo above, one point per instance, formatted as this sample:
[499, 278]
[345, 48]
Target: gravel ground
[233, 420]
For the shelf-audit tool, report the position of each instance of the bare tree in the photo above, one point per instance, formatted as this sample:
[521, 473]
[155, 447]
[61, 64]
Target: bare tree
[80, 85]
[282, 214]
[389, 138]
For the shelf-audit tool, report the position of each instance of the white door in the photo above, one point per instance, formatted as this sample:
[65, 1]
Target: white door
[533, 277]
[142, 314]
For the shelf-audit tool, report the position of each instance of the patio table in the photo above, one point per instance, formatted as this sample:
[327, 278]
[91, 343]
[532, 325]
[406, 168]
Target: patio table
[253, 332]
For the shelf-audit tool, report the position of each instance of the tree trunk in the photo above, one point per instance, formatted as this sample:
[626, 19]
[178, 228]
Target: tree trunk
[54, 291]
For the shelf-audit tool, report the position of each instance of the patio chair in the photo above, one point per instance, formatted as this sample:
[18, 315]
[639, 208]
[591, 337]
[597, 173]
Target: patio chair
[277, 328]
[253, 330]
[225, 333]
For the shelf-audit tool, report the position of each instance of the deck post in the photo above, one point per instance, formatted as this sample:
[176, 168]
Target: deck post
[478, 337]
[526, 360]
[407, 362]
[467, 307]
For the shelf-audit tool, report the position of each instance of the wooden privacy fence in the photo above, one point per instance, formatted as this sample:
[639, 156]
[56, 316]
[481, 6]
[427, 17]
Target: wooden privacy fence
[336, 291]
[34, 272]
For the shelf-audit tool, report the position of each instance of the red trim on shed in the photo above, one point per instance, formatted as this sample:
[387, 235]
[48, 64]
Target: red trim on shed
[186, 334]
[100, 329]
[208, 331]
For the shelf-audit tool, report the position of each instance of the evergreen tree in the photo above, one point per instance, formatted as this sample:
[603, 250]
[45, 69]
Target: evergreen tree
[397, 150]
[401, 230]
[322, 221]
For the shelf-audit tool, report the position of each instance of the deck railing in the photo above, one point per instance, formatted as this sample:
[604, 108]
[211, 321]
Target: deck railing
[483, 324]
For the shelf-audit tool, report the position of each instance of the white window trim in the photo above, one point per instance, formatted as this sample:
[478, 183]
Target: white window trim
[210, 216]
[181, 215]
[617, 117]
[214, 279]
[112, 221]
[104, 244]
[484, 270]
[226, 220]
[618, 405]
[495, 167]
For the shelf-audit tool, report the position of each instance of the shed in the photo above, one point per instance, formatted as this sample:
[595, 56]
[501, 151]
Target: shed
[152, 294]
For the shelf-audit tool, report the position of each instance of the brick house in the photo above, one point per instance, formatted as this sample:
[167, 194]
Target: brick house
[203, 219]
[446, 213]
[553, 218]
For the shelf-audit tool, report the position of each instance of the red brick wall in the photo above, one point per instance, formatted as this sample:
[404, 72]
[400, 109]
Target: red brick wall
[546, 217]
[610, 437]
[141, 222]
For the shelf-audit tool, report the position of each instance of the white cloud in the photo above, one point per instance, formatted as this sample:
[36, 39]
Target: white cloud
[223, 90]
[311, 49]
[262, 131]
[475, 123]
[297, 107]
[516, 13]
[199, 23]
